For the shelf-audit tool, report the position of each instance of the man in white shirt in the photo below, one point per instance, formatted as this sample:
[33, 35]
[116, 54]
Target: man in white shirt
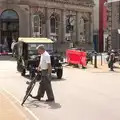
[46, 69]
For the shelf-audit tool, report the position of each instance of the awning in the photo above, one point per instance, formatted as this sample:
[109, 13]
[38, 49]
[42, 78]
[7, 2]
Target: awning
[35, 40]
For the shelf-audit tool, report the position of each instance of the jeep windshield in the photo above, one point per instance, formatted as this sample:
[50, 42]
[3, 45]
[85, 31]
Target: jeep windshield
[33, 51]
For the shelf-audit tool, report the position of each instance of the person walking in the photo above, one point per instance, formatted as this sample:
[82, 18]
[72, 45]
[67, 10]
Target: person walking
[111, 60]
[12, 47]
[46, 69]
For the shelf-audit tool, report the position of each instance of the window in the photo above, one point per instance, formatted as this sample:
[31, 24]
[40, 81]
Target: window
[9, 14]
[54, 24]
[36, 21]
[37, 25]
[67, 25]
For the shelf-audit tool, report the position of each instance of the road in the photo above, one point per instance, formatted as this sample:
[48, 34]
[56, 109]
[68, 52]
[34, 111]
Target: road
[80, 95]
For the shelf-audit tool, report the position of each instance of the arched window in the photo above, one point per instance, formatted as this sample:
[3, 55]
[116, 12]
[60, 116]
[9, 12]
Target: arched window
[36, 21]
[37, 25]
[9, 14]
[67, 25]
[54, 24]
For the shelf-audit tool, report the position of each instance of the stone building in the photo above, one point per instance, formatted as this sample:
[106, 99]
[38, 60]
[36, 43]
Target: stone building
[113, 41]
[64, 21]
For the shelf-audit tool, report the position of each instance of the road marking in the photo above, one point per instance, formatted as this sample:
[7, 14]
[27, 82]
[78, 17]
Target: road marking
[22, 114]
[28, 110]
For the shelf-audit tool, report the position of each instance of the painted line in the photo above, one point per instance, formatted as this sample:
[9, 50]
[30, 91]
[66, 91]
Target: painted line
[21, 113]
[28, 110]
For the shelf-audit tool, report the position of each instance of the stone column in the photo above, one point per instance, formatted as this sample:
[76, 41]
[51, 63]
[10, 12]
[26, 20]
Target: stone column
[109, 26]
[63, 25]
[47, 25]
[87, 31]
[77, 26]
[30, 22]
[91, 27]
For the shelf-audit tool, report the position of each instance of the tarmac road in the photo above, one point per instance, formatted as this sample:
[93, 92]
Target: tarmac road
[80, 95]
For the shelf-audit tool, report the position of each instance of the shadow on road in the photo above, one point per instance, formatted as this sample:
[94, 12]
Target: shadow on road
[34, 104]
[55, 79]
[42, 104]
[116, 67]
[108, 72]
[7, 58]
[53, 105]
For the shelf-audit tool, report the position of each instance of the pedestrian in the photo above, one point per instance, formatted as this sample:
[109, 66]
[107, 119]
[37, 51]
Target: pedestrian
[15, 49]
[12, 47]
[46, 69]
[111, 60]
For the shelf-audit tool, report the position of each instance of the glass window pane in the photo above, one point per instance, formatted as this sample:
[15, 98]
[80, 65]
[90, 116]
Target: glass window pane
[52, 23]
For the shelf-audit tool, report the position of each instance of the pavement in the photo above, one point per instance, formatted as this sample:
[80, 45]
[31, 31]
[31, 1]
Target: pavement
[102, 65]
[8, 110]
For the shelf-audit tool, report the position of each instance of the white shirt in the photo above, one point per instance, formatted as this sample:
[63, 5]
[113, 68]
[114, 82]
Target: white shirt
[44, 60]
[12, 45]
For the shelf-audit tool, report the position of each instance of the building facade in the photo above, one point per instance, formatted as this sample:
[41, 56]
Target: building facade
[96, 25]
[100, 25]
[113, 41]
[63, 21]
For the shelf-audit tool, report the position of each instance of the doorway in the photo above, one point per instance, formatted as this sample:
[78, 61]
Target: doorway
[9, 27]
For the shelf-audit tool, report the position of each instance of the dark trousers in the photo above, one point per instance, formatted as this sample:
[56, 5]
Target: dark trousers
[45, 85]
[13, 52]
[110, 65]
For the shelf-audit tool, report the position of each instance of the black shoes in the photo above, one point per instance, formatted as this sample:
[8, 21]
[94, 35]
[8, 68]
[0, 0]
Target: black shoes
[50, 100]
[36, 97]
[39, 98]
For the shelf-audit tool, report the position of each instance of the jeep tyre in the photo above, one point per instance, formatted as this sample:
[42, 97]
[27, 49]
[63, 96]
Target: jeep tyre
[19, 67]
[23, 72]
[59, 73]
[32, 75]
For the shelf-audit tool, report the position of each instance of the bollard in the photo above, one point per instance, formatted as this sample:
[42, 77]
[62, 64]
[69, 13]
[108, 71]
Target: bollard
[95, 61]
[101, 60]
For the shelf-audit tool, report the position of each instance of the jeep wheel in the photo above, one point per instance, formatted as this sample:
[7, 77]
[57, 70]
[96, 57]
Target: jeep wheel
[23, 72]
[32, 75]
[19, 67]
[59, 73]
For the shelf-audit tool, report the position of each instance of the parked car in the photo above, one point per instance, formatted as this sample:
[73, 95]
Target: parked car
[28, 58]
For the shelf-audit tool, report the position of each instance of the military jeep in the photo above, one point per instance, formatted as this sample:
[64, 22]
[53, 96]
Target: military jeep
[28, 58]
